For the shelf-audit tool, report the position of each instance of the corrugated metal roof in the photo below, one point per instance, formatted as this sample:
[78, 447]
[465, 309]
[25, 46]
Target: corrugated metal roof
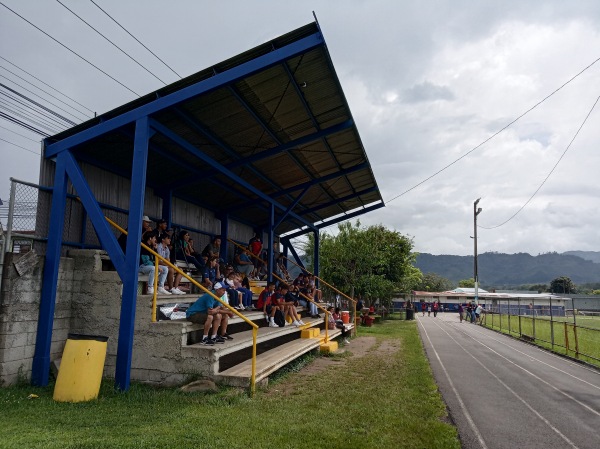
[279, 129]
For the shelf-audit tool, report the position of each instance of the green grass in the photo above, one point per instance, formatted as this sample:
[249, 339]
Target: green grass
[547, 332]
[382, 399]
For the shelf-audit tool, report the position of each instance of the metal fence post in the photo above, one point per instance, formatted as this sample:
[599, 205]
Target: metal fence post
[551, 325]
[519, 316]
[7, 244]
[566, 339]
[533, 313]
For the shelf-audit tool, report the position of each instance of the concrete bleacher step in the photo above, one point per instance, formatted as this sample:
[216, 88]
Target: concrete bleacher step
[270, 361]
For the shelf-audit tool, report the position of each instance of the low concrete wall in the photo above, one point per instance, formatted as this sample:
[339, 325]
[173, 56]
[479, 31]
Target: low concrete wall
[89, 302]
[19, 310]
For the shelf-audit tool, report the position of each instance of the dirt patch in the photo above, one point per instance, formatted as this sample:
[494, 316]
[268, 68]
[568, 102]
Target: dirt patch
[358, 347]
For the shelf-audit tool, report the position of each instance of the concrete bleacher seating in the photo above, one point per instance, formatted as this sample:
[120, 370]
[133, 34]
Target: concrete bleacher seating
[230, 363]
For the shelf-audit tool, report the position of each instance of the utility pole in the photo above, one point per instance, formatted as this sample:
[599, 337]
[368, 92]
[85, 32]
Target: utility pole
[476, 211]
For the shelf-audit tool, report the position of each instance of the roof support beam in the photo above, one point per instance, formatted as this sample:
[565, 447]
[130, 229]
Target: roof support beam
[339, 200]
[335, 220]
[232, 75]
[290, 208]
[199, 154]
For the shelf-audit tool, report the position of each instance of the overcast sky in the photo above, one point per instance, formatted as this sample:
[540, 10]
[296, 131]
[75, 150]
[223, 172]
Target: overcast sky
[427, 81]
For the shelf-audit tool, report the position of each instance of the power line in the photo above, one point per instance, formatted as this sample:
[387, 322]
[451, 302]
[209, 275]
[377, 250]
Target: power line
[72, 51]
[115, 45]
[551, 171]
[26, 149]
[38, 104]
[14, 132]
[72, 123]
[493, 135]
[47, 93]
[124, 29]
[29, 116]
[27, 126]
[46, 84]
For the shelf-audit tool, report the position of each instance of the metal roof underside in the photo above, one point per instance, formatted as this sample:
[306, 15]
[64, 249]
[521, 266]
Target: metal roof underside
[285, 129]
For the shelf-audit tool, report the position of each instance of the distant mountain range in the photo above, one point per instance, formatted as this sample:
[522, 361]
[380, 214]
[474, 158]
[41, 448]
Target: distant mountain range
[497, 269]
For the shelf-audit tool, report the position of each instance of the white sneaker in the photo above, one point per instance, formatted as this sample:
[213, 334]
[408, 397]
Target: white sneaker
[296, 323]
[272, 324]
[346, 341]
[302, 323]
[162, 291]
[150, 291]
[176, 291]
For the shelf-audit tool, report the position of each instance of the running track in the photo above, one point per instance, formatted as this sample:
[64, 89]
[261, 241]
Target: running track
[503, 393]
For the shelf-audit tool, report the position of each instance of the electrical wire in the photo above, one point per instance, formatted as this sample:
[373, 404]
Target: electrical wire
[28, 113]
[39, 105]
[25, 137]
[115, 45]
[47, 93]
[493, 135]
[549, 174]
[72, 123]
[124, 29]
[26, 149]
[28, 116]
[72, 51]
[23, 124]
[46, 84]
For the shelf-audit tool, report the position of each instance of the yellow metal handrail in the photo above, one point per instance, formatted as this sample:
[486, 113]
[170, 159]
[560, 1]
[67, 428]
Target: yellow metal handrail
[303, 295]
[354, 301]
[197, 284]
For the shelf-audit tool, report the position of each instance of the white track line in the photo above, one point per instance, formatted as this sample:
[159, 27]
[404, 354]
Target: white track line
[460, 401]
[587, 407]
[514, 393]
[538, 360]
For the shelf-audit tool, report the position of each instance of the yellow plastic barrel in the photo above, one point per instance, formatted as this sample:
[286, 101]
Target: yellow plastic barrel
[81, 368]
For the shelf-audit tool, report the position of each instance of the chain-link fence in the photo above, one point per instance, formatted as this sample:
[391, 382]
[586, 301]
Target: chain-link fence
[567, 325]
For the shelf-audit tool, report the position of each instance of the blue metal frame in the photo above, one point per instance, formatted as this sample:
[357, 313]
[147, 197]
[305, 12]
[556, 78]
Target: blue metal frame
[132, 256]
[127, 263]
[40, 370]
[193, 150]
[230, 76]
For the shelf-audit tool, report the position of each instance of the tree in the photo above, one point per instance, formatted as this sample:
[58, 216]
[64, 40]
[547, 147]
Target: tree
[467, 283]
[562, 284]
[374, 260]
[433, 282]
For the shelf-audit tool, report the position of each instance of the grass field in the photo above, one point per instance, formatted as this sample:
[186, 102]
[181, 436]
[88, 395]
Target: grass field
[384, 398]
[555, 334]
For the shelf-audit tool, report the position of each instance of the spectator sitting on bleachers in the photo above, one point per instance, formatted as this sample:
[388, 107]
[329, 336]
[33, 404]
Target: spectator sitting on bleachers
[212, 314]
[240, 281]
[173, 278]
[242, 262]
[335, 322]
[313, 309]
[265, 295]
[147, 265]
[211, 273]
[255, 245]
[184, 251]
[161, 228]
[213, 249]
[312, 285]
[272, 304]
[236, 298]
[289, 303]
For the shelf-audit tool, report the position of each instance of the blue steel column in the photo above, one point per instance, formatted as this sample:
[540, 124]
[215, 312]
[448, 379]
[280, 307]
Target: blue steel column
[316, 256]
[132, 256]
[41, 358]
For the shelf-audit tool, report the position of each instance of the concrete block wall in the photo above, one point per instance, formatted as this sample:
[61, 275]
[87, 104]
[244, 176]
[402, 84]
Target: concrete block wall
[89, 302]
[19, 310]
